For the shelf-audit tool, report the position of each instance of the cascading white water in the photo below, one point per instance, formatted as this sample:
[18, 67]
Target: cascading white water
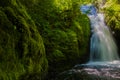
[102, 46]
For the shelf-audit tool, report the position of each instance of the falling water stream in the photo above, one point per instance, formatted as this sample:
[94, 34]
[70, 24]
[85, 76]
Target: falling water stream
[102, 45]
[104, 62]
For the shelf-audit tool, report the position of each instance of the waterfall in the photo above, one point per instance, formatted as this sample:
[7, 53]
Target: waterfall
[102, 44]
[104, 63]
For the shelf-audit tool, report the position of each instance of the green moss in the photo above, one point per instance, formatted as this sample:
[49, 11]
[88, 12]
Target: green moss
[22, 52]
[10, 67]
[65, 32]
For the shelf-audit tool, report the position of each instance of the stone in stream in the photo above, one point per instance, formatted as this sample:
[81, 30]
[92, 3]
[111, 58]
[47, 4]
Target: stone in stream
[91, 72]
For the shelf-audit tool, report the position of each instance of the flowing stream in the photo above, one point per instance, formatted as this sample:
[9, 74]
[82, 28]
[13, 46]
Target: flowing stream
[104, 62]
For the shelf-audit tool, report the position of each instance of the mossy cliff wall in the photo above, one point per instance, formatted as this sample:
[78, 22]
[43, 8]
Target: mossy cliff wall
[22, 53]
[65, 32]
[31, 28]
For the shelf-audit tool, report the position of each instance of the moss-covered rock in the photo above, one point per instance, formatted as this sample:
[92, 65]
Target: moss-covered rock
[65, 32]
[22, 53]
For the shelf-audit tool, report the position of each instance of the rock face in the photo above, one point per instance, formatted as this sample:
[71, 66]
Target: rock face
[22, 53]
